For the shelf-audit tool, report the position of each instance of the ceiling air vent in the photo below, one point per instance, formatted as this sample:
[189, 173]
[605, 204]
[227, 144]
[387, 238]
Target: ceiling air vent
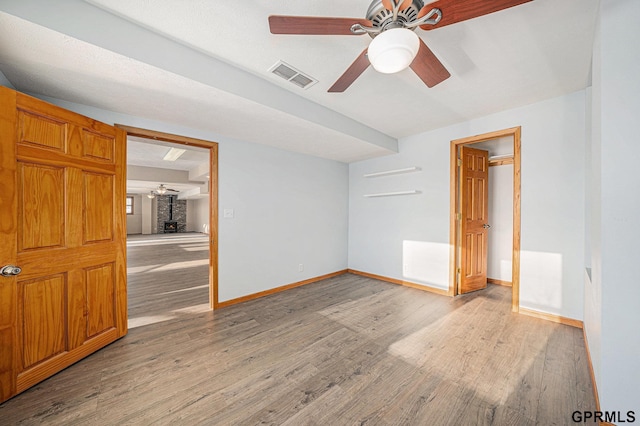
[292, 75]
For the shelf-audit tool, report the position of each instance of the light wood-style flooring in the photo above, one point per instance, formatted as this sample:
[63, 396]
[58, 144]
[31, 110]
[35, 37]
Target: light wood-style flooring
[344, 351]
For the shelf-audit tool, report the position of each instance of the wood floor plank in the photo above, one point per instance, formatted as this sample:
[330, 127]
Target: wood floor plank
[559, 395]
[346, 350]
[377, 387]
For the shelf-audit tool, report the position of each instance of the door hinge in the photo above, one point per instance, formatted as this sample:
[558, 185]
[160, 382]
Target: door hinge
[458, 216]
[459, 162]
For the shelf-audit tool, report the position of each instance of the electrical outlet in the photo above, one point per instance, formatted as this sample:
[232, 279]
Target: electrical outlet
[405, 268]
[300, 267]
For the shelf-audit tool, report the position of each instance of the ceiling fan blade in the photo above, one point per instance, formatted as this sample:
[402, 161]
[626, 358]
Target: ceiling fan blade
[428, 67]
[454, 11]
[387, 4]
[355, 69]
[312, 25]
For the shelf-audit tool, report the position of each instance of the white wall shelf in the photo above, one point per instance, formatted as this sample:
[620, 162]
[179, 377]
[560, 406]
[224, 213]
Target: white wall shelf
[390, 194]
[393, 172]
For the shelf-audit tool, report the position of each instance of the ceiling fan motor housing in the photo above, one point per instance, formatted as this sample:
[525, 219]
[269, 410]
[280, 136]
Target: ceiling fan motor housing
[383, 18]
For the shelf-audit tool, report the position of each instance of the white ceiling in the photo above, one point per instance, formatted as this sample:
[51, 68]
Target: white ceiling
[145, 161]
[150, 153]
[204, 64]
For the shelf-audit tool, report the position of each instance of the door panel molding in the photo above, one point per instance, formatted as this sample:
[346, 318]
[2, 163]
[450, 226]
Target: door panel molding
[31, 377]
[454, 232]
[42, 319]
[41, 194]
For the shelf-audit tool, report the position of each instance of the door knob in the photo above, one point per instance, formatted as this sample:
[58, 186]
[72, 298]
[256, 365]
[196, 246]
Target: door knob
[10, 270]
[486, 226]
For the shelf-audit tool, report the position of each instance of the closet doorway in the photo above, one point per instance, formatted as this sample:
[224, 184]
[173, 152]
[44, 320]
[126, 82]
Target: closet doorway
[470, 226]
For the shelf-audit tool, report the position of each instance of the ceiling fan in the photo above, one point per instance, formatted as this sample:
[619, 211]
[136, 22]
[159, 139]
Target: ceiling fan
[391, 24]
[161, 190]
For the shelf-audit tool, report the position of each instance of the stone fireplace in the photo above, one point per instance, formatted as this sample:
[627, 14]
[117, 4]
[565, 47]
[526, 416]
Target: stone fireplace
[172, 214]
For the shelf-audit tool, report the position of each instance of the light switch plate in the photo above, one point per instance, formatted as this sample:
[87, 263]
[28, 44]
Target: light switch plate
[228, 213]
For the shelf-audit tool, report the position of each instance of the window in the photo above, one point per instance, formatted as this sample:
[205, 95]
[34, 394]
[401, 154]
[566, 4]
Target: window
[129, 207]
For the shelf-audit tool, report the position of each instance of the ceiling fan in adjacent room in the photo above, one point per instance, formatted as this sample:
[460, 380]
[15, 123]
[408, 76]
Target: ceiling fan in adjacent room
[391, 24]
[161, 190]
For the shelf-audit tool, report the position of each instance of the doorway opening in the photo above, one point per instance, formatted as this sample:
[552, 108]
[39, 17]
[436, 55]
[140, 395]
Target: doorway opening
[456, 267]
[170, 219]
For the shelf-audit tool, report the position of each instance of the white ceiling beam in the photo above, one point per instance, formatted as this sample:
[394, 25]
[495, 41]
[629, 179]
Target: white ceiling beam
[86, 22]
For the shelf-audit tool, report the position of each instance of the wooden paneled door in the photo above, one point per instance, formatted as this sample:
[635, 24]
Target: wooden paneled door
[62, 221]
[474, 197]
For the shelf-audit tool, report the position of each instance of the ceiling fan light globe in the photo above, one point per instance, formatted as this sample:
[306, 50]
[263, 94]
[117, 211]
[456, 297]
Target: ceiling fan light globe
[393, 50]
[161, 189]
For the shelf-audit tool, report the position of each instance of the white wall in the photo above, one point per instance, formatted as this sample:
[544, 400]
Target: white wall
[500, 250]
[198, 215]
[134, 221]
[146, 206]
[4, 81]
[191, 221]
[612, 295]
[154, 215]
[153, 174]
[290, 209]
[411, 233]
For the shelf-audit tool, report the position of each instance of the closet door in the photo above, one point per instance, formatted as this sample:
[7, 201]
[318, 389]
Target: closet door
[474, 208]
